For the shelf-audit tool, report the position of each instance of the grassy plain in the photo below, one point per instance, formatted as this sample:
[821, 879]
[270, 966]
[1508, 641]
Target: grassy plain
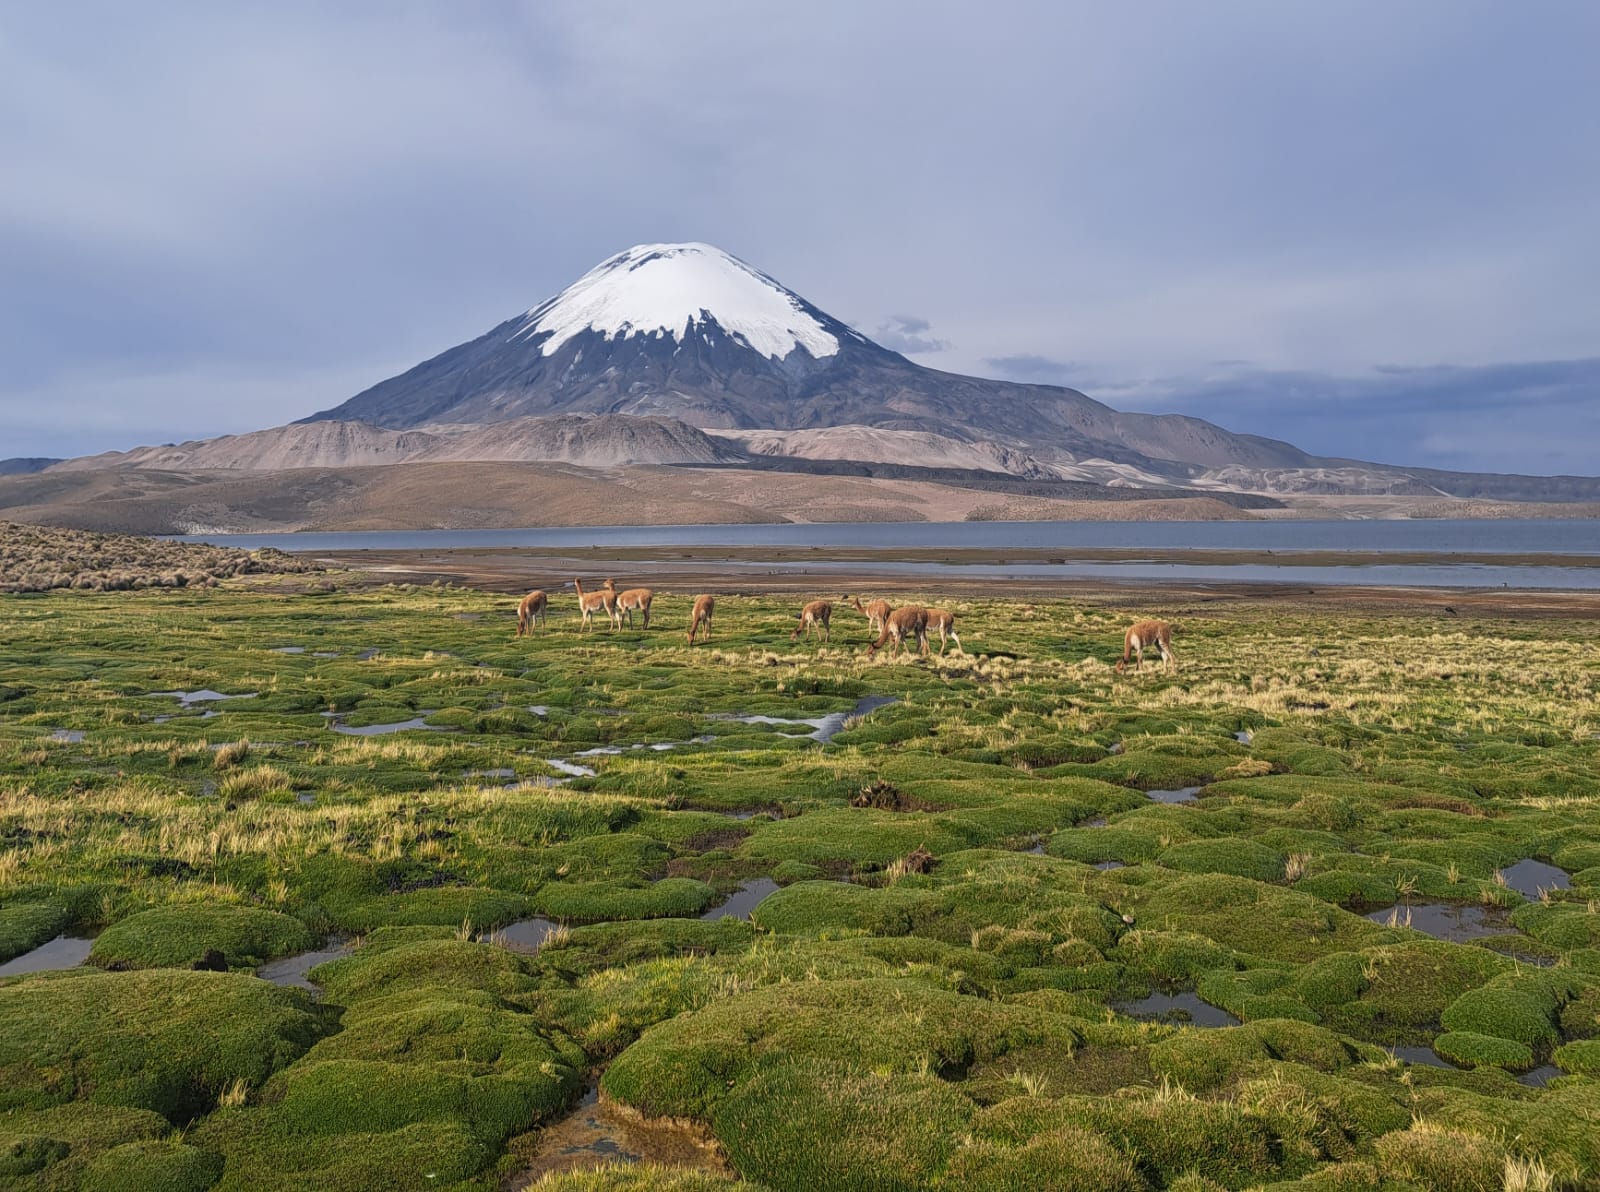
[873, 1026]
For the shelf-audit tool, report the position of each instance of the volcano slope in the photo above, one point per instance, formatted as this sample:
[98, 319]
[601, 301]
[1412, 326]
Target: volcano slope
[1004, 910]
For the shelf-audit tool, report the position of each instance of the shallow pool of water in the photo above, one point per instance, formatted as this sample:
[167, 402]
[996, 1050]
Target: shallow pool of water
[375, 730]
[1186, 794]
[1183, 1007]
[1528, 877]
[292, 970]
[823, 728]
[1426, 1056]
[63, 952]
[67, 736]
[744, 900]
[571, 769]
[1540, 1076]
[203, 696]
[525, 935]
[1448, 921]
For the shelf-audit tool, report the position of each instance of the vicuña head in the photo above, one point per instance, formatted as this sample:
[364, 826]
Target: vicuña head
[1141, 636]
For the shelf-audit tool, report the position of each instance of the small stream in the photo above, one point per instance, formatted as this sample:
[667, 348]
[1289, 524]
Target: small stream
[292, 970]
[823, 728]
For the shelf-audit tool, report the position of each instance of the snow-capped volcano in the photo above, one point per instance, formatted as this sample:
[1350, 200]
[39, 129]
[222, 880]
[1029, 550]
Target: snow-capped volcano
[681, 290]
[690, 332]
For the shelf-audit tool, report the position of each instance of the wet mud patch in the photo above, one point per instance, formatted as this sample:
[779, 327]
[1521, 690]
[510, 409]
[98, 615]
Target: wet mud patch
[599, 1132]
[886, 796]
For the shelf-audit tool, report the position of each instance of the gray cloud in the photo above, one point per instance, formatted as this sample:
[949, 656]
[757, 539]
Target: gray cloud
[1534, 416]
[1031, 368]
[221, 211]
[907, 333]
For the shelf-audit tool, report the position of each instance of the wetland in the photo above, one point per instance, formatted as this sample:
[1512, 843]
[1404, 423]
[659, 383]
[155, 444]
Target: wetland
[1318, 910]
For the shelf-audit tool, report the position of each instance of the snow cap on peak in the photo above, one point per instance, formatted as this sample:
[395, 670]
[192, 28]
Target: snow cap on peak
[674, 288]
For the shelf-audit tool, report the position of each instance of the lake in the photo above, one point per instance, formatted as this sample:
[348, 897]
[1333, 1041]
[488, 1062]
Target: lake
[1480, 547]
[1460, 537]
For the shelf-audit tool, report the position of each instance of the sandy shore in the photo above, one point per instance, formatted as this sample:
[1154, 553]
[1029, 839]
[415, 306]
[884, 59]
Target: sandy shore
[759, 571]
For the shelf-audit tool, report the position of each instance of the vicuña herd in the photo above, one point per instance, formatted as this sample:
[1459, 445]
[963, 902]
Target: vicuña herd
[901, 629]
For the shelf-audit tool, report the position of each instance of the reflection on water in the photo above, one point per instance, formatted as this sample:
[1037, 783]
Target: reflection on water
[1426, 1056]
[525, 935]
[1448, 921]
[374, 730]
[744, 901]
[823, 728]
[1529, 877]
[63, 952]
[203, 696]
[1186, 794]
[1540, 1076]
[1512, 536]
[1184, 1007]
[293, 970]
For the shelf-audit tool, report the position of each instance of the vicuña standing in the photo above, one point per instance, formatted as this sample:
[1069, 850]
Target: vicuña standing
[633, 598]
[815, 618]
[533, 609]
[704, 606]
[590, 603]
[1141, 636]
[942, 622]
[874, 611]
[910, 621]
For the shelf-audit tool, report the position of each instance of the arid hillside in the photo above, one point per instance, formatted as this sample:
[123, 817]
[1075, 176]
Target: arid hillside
[480, 495]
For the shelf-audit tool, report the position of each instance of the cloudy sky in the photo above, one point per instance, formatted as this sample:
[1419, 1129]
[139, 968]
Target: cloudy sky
[1370, 228]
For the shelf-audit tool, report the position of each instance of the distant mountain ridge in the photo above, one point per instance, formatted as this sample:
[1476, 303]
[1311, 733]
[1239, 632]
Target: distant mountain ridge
[603, 441]
[681, 354]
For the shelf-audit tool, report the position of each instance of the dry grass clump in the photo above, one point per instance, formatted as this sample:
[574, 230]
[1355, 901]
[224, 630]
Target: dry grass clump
[40, 558]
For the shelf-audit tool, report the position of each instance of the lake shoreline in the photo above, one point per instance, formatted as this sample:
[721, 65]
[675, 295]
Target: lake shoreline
[517, 571]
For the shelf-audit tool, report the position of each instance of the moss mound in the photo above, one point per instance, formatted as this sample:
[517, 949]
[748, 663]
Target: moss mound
[181, 936]
[161, 1040]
